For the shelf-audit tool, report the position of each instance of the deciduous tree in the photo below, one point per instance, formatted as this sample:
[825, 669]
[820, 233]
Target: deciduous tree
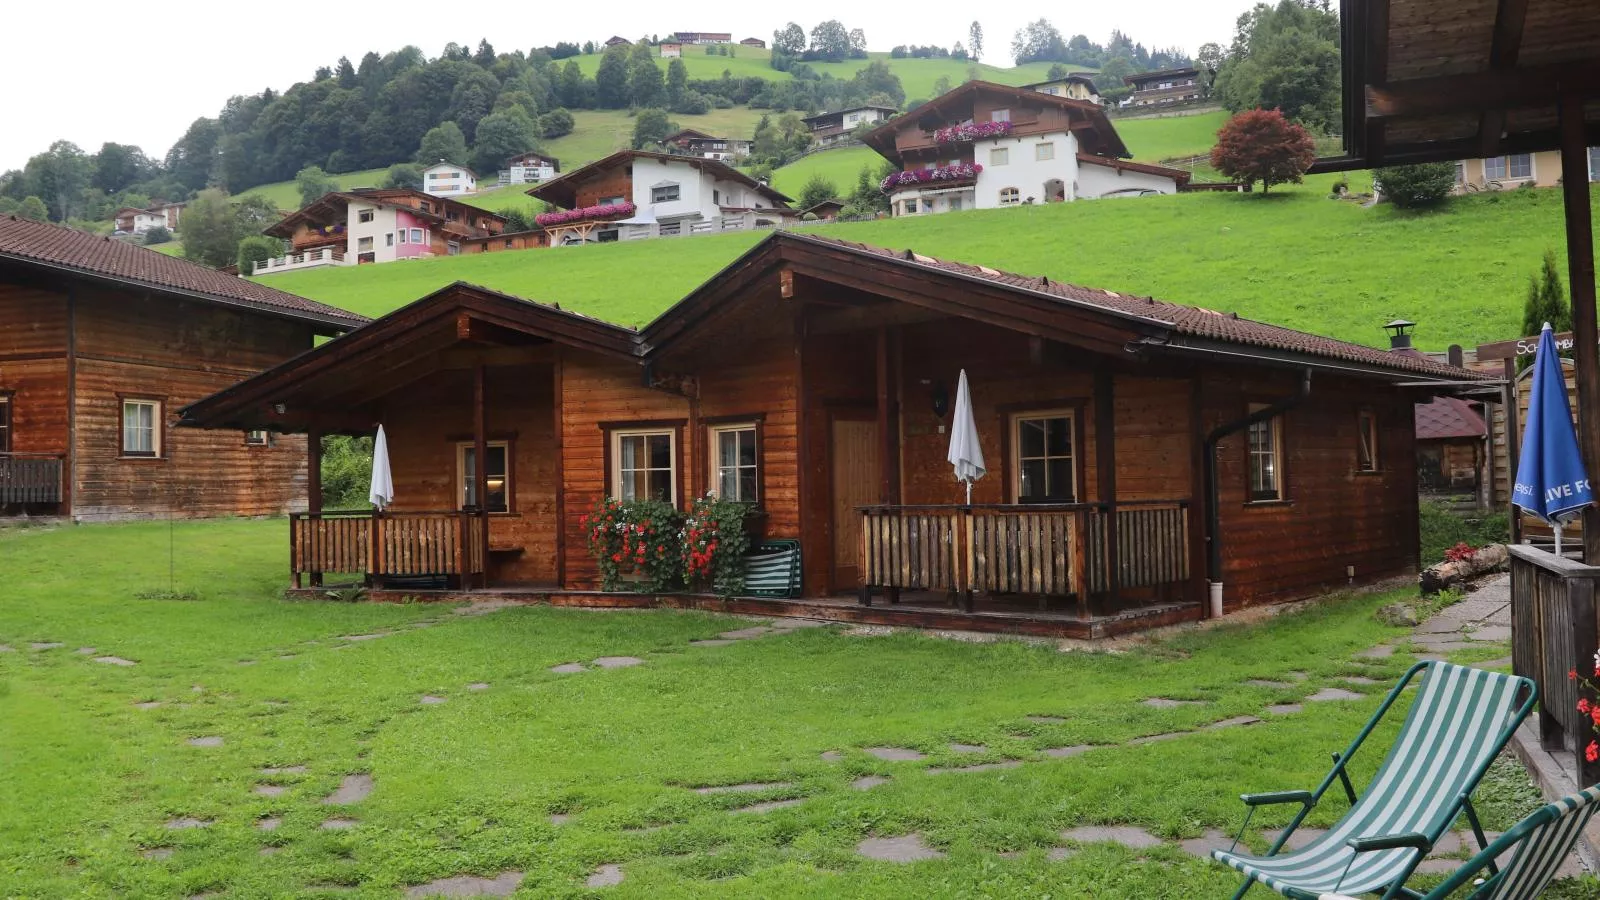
[443, 142]
[1413, 186]
[817, 189]
[404, 175]
[651, 126]
[830, 41]
[1261, 145]
[611, 81]
[645, 86]
[501, 136]
[312, 183]
[33, 208]
[790, 39]
[254, 249]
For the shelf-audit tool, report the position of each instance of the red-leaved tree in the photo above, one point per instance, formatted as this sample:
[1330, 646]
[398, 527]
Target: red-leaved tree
[1261, 145]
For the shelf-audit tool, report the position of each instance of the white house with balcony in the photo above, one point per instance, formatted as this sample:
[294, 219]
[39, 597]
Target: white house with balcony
[984, 146]
[635, 194]
[529, 168]
[446, 179]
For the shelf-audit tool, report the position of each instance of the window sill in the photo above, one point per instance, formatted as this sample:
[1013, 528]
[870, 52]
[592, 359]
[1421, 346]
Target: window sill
[1369, 473]
[1253, 504]
[132, 458]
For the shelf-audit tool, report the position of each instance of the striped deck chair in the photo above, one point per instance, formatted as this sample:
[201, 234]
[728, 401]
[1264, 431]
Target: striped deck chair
[1542, 842]
[1459, 721]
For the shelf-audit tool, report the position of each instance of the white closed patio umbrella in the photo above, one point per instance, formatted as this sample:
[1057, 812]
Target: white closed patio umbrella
[382, 491]
[965, 453]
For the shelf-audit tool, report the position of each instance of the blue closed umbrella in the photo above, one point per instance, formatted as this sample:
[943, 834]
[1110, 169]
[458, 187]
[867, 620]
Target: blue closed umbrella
[1551, 481]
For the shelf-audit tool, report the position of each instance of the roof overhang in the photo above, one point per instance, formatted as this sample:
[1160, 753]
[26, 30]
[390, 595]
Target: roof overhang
[1088, 118]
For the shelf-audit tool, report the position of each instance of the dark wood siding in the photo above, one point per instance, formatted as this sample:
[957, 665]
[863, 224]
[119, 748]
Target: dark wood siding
[33, 367]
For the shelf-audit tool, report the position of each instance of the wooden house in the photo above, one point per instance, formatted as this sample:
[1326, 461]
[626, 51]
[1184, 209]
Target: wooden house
[691, 142]
[1142, 455]
[1163, 87]
[101, 342]
[373, 225]
[987, 146]
[671, 49]
[831, 128]
[754, 42]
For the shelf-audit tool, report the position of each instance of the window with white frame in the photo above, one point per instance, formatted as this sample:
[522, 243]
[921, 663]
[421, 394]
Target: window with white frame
[141, 432]
[999, 156]
[1000, 115]
[452, 249]
[612, 200]
[1044, 151]
[1010, 196]
[1042, 457]
[257, 438]
[388, 239]
[1265, 449]
[911, 205]
[955, 203]
[497, 473]
[664, 193]
[364, 244]
[1518, 165]
[403, 235]
[1461, 172]
[364, 216]
[1366, 441]
[644, 465]
[735, 474]
[417, 236]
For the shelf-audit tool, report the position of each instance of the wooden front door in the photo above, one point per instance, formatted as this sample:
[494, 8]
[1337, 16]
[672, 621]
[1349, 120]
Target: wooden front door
[854, 452]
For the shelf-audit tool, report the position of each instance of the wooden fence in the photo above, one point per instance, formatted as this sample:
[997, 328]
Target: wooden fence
[29, 479]
[410, 544]
[1553, 633]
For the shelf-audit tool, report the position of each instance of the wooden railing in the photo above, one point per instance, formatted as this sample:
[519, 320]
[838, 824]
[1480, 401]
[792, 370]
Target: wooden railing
[1044, 550]
[27, 478]
[1554, 632]
[407, 544]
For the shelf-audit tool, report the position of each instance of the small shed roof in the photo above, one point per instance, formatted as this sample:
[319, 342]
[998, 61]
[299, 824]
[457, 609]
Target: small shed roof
[1447, 418]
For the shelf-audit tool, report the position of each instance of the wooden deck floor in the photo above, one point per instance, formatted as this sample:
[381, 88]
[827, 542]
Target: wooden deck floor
[928, 611]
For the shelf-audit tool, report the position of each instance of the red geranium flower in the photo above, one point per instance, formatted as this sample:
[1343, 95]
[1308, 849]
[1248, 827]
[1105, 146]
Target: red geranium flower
[1591, 752]
[1583, 705]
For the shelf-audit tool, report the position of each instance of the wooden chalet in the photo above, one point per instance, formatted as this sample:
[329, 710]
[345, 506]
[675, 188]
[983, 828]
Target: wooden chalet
[101, 342]
[831, 366]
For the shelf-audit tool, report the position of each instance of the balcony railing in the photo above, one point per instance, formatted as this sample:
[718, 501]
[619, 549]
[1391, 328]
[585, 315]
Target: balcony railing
[30, 478]
[322, 256]
[1554, 631]
[1044, 550]
[446, 544]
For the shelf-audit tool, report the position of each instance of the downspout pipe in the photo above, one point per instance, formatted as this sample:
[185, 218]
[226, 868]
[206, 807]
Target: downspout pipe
[1213, 504]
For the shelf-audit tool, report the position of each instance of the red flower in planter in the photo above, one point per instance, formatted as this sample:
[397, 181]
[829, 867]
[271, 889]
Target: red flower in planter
[1591, 752]
[1572, 675]
[1583, 705]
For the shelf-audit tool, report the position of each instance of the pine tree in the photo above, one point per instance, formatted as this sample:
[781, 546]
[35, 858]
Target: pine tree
[611, 80]
[1547, 300]
[975, 40]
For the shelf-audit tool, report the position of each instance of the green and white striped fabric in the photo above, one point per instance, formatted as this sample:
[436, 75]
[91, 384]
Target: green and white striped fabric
[1457, 724]
[1542, 842]
[772, 569]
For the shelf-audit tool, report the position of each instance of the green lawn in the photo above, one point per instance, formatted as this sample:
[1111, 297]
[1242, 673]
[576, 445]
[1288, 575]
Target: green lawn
[170, 248]
[1293, 258]
[287, 196]
[601, 132]
[1170, 137]
[469, 785]
[917, 76]
[840, 166]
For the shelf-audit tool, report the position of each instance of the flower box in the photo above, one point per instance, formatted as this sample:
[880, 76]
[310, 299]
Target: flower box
[958, 172]
[971, 132]
[602, 213]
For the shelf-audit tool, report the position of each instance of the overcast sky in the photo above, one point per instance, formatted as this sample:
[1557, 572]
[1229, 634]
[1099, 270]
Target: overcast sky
[91, 71]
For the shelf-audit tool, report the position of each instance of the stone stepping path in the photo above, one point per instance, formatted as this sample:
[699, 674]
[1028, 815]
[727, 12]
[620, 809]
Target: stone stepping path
[1213, 839]
[114, 661]
[478, 686]
[832, 756]
[148, 704]
[46, 645]
[719, 642]
[353, 789]
[1157, 738]
[1329, 695]
[868, 782]
[268, 823]
[895, 754]
[208, 741]
[903, 849]
[618, 662]
[1234, 722]
[568, 668]
[284, 770]
[269, 850]
[1068, 752]
[432, 700]
[86, 651]
[363, 637]
[606, 876]
[1382, 651]
[980, 767]
[1126, 835]
[1166, 703]
[968, 748]
[1267, 683]
[502, 885]
[1358, 679]
[338, 824]
[187, 822]
[269, 790]
[768, 806]
[744, 634]
[156, 853]
[747, 788]
[560, 818]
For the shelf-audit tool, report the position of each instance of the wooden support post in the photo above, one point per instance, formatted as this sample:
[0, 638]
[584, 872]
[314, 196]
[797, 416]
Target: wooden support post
[1581, 601]
[375, 550]
[314, 490]
[1105, 461]
[480, 472]
[886, 479]
[1080, 559]
[1513, 436]
[558, 414]
[1580, 279]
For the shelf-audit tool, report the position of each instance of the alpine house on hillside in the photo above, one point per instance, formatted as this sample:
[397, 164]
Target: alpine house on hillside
[370, 225]
[987, 145]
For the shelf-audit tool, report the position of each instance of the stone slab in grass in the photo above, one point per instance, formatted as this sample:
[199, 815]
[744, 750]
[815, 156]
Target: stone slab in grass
[868, 782]
[284, 770]
[1126, 835]
[269, 790]
[114, 661]
[1235, 722]
[1168, 703]
[432, 700]
[207, 741]
[1284, 709]
[1331, 695]
[478, 686]
[980, 767]
[1302, 837]
[968, 748]
[502, 885]
[46, 645]
[1359, 679]
[791, 624]
[1382, 651]
[750, 787]
[7, 648]
[338, 824]
[560, 818]
[1066, 752]
[353, 789]
[744, 634]
[1268, 683]
[1213, 839]
[768, 806]
[1046, 720]
[895, 754]
[187, 822]
[568, 668]
[156, 853]
[606, 876]
[1491, 633]
[1157, 738]
[268, 823]
[718, 642]
[1440, 624]
[269, 850]
[903, 849]
[832, 756]
[363, 637]
[86, 651]
[147, 704]
[618, 662]
[1061, 854]
[1449, 646]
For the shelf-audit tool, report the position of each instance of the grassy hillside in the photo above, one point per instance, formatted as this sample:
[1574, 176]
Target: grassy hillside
[917, 76]
[1294, 258]
[839, 166]
[1170, 137]
[287, 196]
[600, 132]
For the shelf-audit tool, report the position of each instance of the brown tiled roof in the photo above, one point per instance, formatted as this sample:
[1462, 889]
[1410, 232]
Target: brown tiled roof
[44, 245]
[1448, 417]
[1184, 321]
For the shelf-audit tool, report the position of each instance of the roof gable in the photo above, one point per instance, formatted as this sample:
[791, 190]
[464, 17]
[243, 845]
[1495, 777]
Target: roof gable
[1098, 136]
[44, 246]
[563, 191]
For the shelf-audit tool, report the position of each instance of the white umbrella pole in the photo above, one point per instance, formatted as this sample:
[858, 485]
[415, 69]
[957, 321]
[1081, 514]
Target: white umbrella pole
[1557, 527]
[969, 493]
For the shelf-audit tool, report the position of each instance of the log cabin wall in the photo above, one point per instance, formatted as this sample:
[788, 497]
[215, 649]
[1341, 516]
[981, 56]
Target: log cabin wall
[1333, 515]
[756, 379]
[131, 344]
[33, 367]
[596, 390]
[427, 423]
[839, 378]
[617, 182]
